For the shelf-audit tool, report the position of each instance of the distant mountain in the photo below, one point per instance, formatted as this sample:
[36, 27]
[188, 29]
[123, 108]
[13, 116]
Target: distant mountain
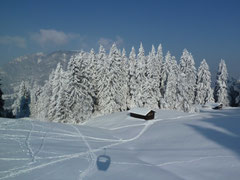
[34, 67]
[31, 68]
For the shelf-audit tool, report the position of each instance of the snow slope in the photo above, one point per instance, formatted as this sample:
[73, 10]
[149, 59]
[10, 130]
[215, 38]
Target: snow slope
[175, 145]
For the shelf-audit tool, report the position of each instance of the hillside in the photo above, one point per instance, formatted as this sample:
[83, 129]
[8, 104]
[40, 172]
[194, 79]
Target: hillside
[173, 146]
[34, 67]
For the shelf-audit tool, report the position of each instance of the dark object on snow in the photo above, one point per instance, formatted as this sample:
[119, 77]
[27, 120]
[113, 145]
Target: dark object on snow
[103, 162]
[218, 107]
[142, 113]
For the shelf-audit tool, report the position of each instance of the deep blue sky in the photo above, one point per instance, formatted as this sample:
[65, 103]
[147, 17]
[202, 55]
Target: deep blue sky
[209, 29]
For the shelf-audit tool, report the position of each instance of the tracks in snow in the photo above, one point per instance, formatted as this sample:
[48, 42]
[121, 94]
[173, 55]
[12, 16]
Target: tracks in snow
[92, 157]
[28, 144]
[174, 162]
[91, 152]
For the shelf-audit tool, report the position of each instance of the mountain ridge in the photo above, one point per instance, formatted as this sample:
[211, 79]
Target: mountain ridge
[32, 68]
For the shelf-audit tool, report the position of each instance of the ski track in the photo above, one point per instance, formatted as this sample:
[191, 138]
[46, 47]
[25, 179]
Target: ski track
[13, 170]
[154, 120]
[121, 127]
[28, 144]
[34, 131]
[92, 157]
[173, 162]
[11, 152]
[102, 139]
[14, 159]
[41, 145]
[193, 160]
[90, 151]
[58, 129]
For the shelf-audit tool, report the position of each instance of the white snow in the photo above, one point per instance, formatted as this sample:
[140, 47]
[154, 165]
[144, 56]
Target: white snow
[175, 145]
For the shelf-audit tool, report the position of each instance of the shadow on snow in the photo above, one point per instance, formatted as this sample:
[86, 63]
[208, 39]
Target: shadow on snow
[227, 131]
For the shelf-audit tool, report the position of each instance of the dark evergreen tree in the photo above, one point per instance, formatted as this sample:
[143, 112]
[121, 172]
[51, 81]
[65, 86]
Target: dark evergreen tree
[21, 106]
[24, 105]
[234, 91]
[1, 102]
[237, 90]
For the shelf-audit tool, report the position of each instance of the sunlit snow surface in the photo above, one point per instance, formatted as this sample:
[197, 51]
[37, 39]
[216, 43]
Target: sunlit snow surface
[175, 145]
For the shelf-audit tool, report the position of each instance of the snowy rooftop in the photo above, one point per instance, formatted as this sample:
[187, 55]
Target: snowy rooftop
[211, 105]
[140, 111]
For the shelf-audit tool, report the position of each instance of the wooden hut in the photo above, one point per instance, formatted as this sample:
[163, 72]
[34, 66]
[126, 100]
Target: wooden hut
[142, 113]
[220, 106]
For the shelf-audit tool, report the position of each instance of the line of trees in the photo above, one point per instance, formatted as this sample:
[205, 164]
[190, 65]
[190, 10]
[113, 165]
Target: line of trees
[100, 83]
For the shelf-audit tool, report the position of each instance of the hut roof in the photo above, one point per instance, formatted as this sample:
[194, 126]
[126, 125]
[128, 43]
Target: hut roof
[140, 111]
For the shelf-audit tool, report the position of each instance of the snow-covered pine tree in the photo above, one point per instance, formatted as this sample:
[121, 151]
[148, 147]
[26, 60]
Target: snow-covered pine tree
[132, 80]
[101, 65]
[176, 70]
[111, 98]
[151, 90]
[125, 60]
[119, 52]
[170, 100]
[57, 104]
[166, 66]
[141, 77]
[221, 94]
[21, 105]
[117, 68]
[43, 102]
[1, 102]
[125, 89]
[182, 94]
[79, 91]
[159, 59]
[61, 106]
[35, 94]
[92, 65]
[102, 79]
[204, 92]
[187, 67]
[158, 66]
[55, 89]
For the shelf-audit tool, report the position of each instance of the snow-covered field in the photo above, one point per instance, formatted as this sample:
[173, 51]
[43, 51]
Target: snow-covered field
[175, 145]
